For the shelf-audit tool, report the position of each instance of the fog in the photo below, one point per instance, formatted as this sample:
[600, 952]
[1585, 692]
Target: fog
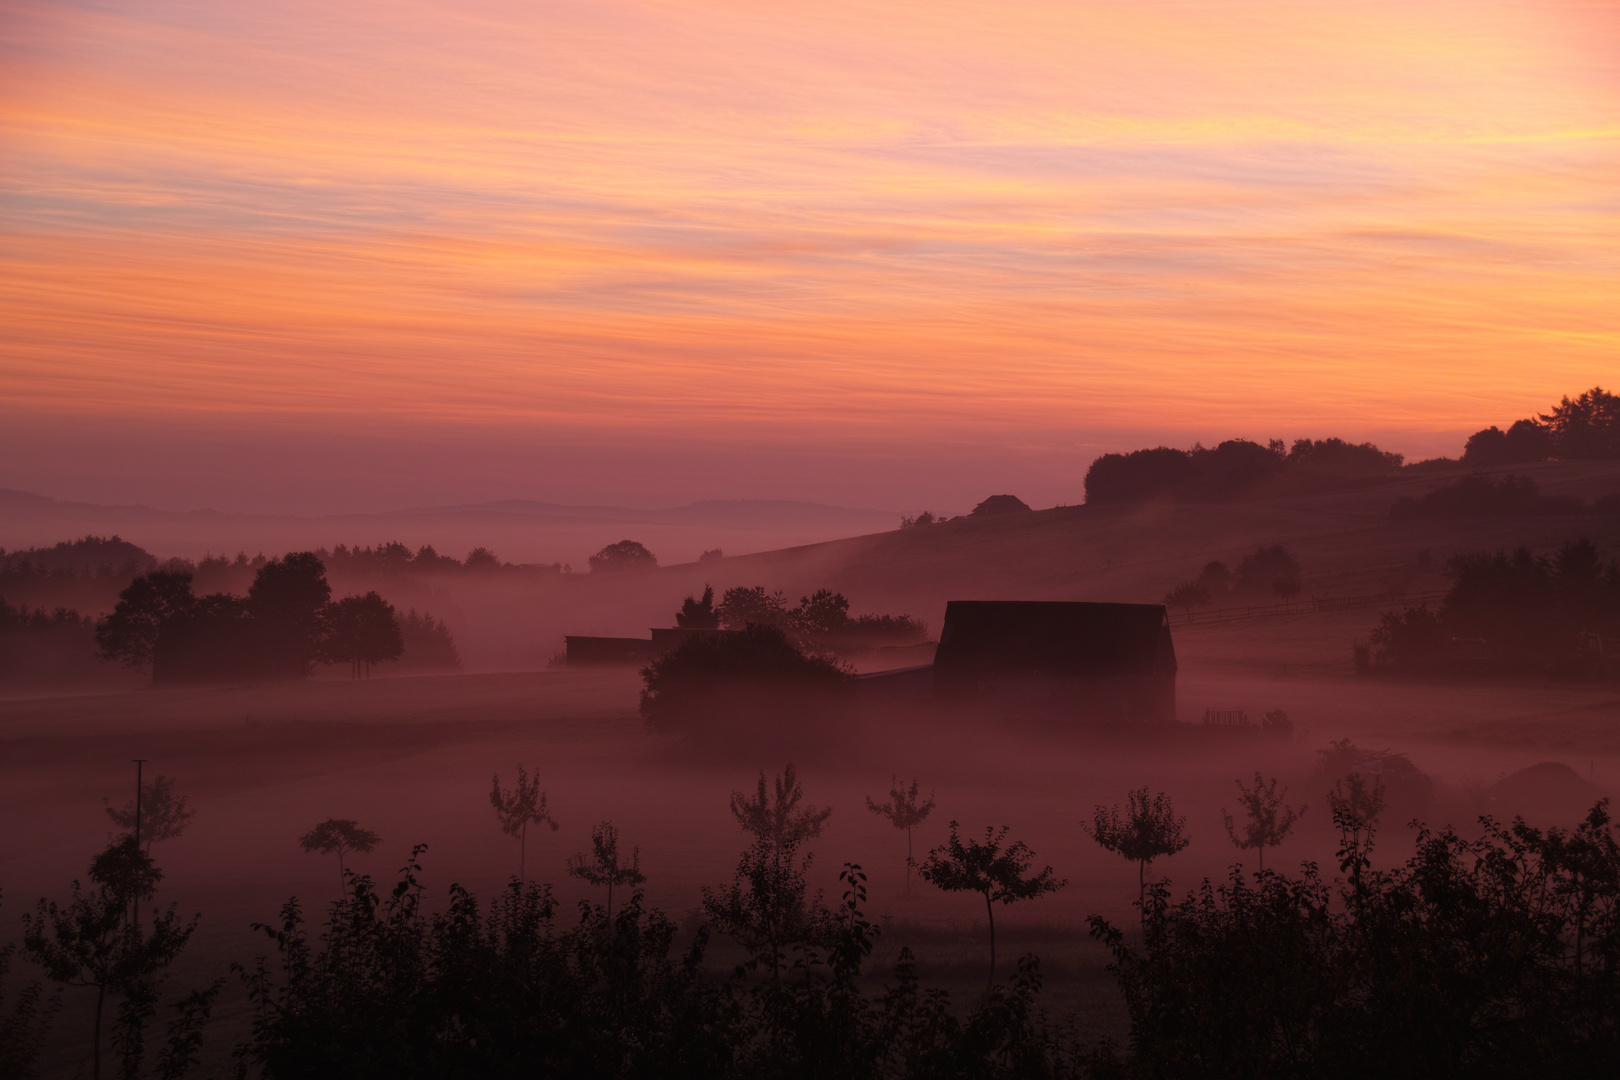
[412, 756]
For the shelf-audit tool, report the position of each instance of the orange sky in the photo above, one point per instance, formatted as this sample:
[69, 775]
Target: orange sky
[879, 253]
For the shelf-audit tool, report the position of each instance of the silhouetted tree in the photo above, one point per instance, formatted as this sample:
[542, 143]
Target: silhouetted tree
[1216, 578]
[742, 606]
[1139, 476]
[288, 600]
[905, 812]
[1586, 427]
[130, 633]
[1526, 441]
[921, 521]
[1147, 830]
[699, 614]
[992, 868]
[339, 836]
[1339, 458]
[625, 555]
[820, 616]
[481, 560]
[1187, 595]
[25, 1024]
[163, 814]
[429, 645]
[775, 816]
[602, 867]
[712, 555]
[765, 908]
[362, 631]
[515, 809]
[1269, 820]
[1264, 567]
[1356, 805]
[94, 941]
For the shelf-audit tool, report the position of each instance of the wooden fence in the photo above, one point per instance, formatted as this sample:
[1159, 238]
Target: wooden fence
[1305, 607]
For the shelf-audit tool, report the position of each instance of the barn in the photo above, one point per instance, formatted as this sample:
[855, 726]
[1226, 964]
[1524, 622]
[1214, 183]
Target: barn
[1082, 660]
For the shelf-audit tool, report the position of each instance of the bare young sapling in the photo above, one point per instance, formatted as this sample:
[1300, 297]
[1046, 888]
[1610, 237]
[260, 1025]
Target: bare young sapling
[905, 811]
[516, 808]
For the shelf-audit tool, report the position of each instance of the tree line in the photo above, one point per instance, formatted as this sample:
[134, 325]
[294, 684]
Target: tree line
[283, 627]
[1582, 428]
[1509, 612]
[1478, 495]
[1233, 469]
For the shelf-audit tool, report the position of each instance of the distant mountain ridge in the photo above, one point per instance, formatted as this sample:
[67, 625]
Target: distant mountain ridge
[702, 511]
[522, 530]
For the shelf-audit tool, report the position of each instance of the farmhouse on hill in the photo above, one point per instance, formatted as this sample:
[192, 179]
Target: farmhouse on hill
[1083, 660]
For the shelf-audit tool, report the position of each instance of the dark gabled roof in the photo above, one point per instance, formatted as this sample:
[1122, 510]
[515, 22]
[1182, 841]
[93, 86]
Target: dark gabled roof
[987, 637]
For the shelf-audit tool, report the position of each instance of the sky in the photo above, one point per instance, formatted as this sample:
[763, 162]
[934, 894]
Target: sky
[314, 257]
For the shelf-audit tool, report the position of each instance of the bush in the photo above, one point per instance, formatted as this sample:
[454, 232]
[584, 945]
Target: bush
[1482, 958]
[515, 990]
[719, 679]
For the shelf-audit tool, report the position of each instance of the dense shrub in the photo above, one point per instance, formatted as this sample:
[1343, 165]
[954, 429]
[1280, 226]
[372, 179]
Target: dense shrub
[517, 990]
[1478, 958]
[717, 680]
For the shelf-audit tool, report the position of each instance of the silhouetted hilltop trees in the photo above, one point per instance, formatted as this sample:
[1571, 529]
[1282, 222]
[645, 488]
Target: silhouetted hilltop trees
[626, 555]
[1233, 469]
[395, 558]
[820, 621]
[1556, 614]
[281, 629]
[91, 556]
[1583, 428]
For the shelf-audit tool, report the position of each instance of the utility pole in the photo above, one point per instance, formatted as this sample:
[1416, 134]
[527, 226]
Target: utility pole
[139, 762]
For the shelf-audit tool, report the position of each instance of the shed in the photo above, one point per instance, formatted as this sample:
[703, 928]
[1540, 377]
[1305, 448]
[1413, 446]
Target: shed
[1083, 660]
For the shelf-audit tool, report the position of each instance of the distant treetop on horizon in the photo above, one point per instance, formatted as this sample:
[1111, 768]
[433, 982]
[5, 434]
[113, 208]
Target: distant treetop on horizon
[1584, 428]
[1232, 469]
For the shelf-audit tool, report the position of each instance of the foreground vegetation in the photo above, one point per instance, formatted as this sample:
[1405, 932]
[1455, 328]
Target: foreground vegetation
[1488, 955]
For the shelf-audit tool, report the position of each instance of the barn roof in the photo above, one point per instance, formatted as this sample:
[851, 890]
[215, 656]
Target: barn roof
[983, 637]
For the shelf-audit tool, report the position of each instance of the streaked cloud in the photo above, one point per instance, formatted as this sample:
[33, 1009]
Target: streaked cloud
[656, 218]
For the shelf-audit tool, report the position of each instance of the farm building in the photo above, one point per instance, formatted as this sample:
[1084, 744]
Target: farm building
[1090, 661]
[584, 651]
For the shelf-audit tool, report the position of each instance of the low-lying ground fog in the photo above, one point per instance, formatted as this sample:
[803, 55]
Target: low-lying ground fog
[412, 758]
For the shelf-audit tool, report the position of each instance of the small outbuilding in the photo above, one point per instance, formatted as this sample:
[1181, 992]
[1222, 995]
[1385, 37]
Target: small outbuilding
[1082, 660]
